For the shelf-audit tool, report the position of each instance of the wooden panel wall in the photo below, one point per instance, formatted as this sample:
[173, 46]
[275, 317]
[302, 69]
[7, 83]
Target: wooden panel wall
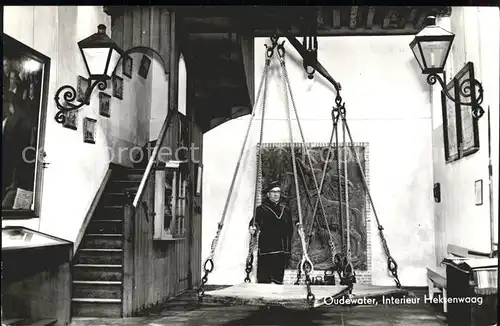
[154, 271]
[195, 222]
[160, 268]
[142, 26]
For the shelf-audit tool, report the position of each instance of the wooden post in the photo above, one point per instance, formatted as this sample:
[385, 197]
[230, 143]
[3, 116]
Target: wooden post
[192, 181]
[173, 82]
[128, 260]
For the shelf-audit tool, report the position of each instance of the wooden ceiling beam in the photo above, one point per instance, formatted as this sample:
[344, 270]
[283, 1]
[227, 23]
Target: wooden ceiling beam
[386, 22]
[346, 31]
[337, 19]
[320, 19]
[369, 17]
[412, 16]
[353, 17]
[404, 14]
[326, 18]
[419, 21]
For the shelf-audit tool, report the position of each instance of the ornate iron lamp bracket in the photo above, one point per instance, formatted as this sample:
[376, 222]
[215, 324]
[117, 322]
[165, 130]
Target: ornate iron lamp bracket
[69, 95]
[466, 88]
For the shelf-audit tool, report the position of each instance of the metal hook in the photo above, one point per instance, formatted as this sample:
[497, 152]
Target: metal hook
[281, 49]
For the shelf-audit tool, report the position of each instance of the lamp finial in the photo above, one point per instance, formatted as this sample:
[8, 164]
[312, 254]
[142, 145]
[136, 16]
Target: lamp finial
[101, 28]
[430, 20]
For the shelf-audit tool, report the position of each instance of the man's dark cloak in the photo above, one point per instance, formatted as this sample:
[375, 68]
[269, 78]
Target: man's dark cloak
[274, 221]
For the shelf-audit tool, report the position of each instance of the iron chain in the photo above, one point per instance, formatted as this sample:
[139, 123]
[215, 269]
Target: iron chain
[254, 238]
[391, 263]
[304, 147]
[200, 291]
[310, 296]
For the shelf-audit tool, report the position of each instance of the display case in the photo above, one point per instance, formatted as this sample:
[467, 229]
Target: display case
[170, 201]
[36, 275]
[472, 291]
[21, 238]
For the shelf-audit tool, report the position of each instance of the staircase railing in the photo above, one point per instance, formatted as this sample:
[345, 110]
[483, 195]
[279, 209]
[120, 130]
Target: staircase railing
[152, 159]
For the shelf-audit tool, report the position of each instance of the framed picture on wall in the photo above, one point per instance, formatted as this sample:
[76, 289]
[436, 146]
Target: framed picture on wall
[127, 64]
[89, 130]
[144, 67]
[198, 177]
[460, 128]
[81, 88]
[71, 119]
[478, 192]
[468, 127]
[104, 103]
[450, 131]
[117, 87]
[25, 86]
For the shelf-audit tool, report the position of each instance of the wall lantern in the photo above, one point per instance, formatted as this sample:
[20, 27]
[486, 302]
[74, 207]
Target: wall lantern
[431, 48]
[101, 56]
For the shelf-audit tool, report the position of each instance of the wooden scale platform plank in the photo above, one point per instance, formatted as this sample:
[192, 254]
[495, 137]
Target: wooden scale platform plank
[294, 295]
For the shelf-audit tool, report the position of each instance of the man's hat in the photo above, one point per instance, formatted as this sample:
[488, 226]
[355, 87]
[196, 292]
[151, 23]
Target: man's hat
[271, 185]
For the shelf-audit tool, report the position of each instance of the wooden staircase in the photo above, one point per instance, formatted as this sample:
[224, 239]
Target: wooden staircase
[98, 264]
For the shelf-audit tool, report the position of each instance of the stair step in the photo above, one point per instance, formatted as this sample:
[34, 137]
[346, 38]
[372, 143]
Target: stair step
[102, 241]
[97, 289]
[99, 256]
[124, 171]
[105, 227]
[116, 198]
[12, 321]
[98, 282]
[133, 175]
[97, 272]
[110, 235]
[107, 309]
[99, 300]
[23, 322]
[109, 212]
[98, 250]
[99, 265]
[123, 185]
[43, 322]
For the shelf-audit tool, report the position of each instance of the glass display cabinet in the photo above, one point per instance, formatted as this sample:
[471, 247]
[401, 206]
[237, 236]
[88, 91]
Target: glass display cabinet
[21, 238]
[170, 201]
[36, 273]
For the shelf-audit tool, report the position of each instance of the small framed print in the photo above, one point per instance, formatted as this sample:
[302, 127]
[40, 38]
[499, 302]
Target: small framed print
[127, 64]
[199, 178]
[117, 87]
[104, 103]
[478, 192]
[144, 67]
[437, 192]
[82, 86]
[89, 130]
[70, 119]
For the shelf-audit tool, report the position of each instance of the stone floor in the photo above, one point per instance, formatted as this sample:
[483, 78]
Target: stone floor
[185, 310]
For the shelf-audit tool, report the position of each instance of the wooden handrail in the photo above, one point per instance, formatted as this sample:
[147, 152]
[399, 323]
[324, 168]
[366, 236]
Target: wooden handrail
[152, 159]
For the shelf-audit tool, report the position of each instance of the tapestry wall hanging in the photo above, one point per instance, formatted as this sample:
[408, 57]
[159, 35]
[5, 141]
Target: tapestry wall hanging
[277, 165]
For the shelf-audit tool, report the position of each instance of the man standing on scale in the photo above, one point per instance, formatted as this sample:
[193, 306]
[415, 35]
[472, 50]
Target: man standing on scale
[273, 220]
